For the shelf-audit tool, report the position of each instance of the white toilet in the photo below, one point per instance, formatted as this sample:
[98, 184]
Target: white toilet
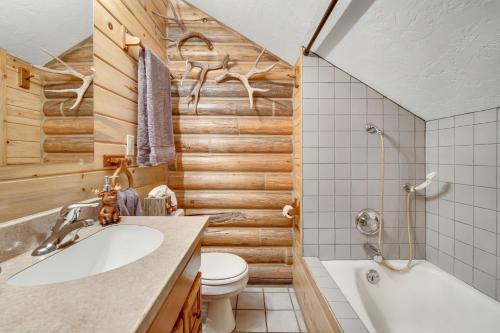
[223, 276]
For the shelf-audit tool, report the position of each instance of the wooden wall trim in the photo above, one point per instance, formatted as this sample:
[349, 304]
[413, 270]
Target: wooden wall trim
[317, 314]
[297, 155]
[3, 106]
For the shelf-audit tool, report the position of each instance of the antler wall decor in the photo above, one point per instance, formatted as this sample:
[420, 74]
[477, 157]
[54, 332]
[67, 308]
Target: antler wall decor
[243, 78]
[187, 34]
[194, 95]
[80, 91]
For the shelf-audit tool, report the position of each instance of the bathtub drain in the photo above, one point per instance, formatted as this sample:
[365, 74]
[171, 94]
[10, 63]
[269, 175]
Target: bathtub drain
[372, 276]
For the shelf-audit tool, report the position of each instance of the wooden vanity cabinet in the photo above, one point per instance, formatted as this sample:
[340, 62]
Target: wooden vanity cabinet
[181, 310]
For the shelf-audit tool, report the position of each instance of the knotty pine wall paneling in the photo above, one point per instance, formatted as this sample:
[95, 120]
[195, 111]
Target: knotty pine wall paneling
[233, 159]
[33, 188]
[21, 113]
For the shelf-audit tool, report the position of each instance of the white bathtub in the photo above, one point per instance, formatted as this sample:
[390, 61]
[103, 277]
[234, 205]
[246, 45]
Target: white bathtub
[424, 300]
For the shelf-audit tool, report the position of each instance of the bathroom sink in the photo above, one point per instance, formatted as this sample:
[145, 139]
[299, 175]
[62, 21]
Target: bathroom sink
[110, 248]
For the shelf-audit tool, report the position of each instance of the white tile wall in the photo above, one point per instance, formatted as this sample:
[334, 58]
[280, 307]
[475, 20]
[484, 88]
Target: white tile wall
[341, 164]
[465, 241]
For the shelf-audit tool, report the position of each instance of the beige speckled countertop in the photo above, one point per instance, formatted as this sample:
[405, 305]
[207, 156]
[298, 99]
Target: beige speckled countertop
[125, 299]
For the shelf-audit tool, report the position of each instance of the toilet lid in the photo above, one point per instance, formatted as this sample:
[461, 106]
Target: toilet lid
[221, 266]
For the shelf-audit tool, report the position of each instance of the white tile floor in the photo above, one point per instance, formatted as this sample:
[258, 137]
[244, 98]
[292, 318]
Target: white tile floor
[268, 309]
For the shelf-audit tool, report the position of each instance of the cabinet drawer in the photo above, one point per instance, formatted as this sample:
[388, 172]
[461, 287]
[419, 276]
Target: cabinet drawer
[191, 311]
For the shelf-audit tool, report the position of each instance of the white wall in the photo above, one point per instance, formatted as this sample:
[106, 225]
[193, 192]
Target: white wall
[56, 25]
[435, 58]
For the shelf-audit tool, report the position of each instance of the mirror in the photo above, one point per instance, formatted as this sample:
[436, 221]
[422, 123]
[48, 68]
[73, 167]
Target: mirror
[46, 82]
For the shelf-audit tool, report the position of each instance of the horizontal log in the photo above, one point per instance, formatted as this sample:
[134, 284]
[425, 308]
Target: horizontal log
[216, 144]
[234, 199]
[252, 255]
[23, 99]
[20, 115]
[68, 158]
[229, 181]
[68, 125]
[243, 218]
[209, 125]
[236, 107]
[240, 52]
[272, 126]
[233, 88]
[270, 273]
[215, 33]
[53, 108]
[205, 125]
[68, 144]
[65, 85]
[84, 68]
[22, 132]
[11, 161]
[81, 52]
[215, 236]
[235, 162]
[280, 72]
[23, 149]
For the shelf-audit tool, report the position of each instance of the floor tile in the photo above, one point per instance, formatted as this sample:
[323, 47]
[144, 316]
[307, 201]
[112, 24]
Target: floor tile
[251, 321]
[282, 321]
[275, 290]
[300, 320]
[233, 301]
[278, 301]
[250, 301]
[295, 302]
[251, 289]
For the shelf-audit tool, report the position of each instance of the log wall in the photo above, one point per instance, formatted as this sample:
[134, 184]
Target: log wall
[68, 135]
[234, 161]
[34, 188]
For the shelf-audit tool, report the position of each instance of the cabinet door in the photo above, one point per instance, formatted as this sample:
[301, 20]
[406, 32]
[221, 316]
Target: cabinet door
[179, 326]
[191, 312]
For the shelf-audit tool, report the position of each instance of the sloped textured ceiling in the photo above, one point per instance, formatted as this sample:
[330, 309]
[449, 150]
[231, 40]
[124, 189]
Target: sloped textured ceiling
[435, 58]
[279, 25]
[56, 25]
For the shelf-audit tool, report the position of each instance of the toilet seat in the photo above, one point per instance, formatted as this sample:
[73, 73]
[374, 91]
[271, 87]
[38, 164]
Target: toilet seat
[219, 269]
[223, 275]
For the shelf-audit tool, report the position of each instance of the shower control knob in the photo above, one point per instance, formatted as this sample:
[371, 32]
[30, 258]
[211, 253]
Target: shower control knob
[368, 221]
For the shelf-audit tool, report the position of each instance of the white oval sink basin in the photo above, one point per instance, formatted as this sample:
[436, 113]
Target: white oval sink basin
[110, 248]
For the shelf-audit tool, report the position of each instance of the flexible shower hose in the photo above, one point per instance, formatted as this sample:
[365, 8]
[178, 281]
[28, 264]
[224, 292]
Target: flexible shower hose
[381, 213]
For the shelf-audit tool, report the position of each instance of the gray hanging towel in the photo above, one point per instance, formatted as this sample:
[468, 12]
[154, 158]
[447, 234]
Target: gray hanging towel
[155, 135]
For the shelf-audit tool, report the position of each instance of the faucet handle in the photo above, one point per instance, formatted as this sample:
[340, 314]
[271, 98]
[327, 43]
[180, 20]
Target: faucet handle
[72, 206]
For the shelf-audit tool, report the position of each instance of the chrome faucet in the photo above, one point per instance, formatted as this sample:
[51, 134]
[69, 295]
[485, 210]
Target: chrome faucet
[65, 231]
[373, 252]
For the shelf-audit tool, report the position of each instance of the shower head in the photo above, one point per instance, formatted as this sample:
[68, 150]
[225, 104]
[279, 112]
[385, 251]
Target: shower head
[372, 129]
[428, 180]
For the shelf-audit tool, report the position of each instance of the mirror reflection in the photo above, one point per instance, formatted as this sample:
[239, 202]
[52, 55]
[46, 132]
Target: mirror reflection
[46, 82]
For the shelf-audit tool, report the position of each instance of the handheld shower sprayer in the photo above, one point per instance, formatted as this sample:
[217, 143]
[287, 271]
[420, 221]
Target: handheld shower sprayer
[373, 129]
[428, 180]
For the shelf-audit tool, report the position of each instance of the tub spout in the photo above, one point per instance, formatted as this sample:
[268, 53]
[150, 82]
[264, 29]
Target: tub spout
[373, 252]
